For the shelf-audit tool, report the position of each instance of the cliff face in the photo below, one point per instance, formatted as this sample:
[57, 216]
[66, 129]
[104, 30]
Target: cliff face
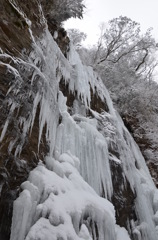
[55, 113]
[20, 24]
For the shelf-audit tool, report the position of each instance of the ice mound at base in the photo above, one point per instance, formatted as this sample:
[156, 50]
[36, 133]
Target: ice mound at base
[56, 203]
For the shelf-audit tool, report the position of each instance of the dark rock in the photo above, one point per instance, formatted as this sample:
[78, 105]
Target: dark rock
[123, 197]
[139, 134]
[14, 39]
[97, 104]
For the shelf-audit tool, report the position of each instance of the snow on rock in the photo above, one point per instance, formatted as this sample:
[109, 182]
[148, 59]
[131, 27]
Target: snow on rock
[61, 206]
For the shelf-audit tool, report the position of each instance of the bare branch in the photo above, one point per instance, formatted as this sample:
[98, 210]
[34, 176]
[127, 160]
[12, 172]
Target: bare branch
[143, 60]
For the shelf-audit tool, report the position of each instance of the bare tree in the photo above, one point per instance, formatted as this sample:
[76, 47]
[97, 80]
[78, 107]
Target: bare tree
[122, 38]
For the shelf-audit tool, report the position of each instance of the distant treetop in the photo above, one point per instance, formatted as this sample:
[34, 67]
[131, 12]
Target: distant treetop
[62, 10]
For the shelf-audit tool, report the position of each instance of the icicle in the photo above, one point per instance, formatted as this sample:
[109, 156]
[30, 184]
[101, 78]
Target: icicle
[79, 135]
[83, 79]
[12, 108]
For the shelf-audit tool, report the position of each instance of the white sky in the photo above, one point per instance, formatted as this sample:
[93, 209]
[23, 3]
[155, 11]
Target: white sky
[144, 12]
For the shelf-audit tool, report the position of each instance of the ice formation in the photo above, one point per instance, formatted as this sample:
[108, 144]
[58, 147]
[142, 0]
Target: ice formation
[56, 202]
[61, 204]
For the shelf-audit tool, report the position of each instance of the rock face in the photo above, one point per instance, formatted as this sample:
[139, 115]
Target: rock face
[16, 102]
[15, 41]
[51, 105]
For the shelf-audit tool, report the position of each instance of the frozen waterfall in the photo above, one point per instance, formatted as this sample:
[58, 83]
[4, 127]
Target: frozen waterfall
[69, 196]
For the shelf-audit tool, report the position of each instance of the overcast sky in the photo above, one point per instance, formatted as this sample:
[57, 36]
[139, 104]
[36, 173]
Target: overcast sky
[144, 12]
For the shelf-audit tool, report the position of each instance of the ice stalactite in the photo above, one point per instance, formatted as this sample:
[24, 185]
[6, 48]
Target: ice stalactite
[79, 135]
[41, 86]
